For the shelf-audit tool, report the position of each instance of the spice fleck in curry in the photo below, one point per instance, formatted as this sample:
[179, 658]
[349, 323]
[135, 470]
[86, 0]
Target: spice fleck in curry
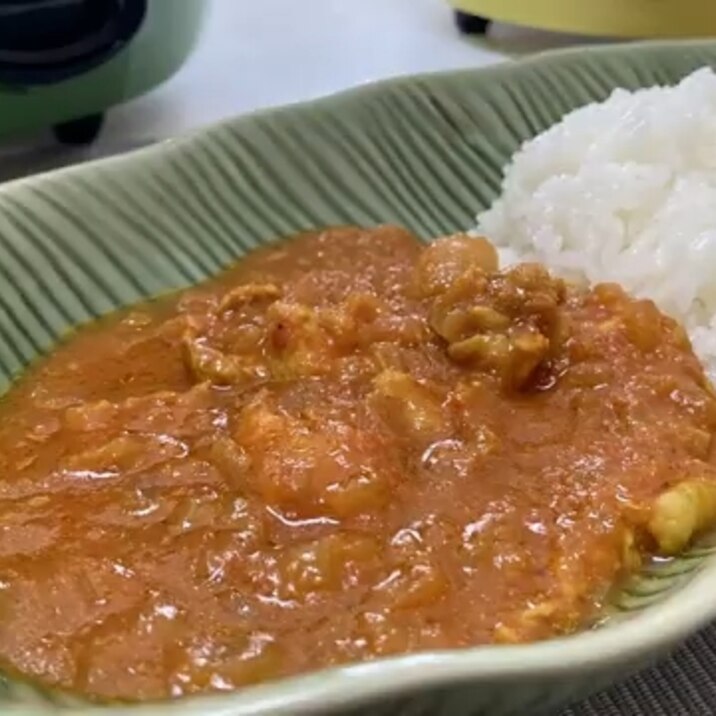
[346, 447]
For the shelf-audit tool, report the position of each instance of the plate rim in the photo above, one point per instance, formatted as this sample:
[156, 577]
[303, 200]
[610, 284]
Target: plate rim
[507, 65]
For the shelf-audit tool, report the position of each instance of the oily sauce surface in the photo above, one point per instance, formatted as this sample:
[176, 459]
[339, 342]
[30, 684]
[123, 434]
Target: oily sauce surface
[346, 447]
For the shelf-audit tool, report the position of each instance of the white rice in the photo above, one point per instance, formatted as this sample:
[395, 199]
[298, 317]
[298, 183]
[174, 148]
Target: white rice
[624, 190]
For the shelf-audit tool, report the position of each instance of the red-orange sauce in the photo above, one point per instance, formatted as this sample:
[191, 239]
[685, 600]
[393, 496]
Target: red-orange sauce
[347, 446]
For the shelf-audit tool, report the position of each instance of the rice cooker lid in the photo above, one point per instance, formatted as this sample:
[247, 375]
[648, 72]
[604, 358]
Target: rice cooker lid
[46, 41]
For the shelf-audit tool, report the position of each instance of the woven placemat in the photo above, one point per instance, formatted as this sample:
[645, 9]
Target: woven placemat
[682, 685]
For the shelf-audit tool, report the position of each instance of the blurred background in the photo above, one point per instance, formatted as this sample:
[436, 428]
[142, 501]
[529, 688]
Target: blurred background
[223, 57]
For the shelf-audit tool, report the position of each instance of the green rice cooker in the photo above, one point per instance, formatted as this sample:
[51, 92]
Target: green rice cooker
[64, 63]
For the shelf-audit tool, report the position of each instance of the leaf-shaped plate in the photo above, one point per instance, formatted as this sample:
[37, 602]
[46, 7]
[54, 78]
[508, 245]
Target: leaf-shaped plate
[426, 152]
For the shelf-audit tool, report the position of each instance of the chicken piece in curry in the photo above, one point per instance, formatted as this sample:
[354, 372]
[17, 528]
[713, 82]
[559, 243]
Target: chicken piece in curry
[349, 446]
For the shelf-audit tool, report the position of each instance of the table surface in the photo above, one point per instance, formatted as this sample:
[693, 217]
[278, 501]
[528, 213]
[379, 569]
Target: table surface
[271, 52]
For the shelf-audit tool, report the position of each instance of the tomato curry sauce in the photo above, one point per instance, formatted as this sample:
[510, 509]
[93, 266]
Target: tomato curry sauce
[348, 446]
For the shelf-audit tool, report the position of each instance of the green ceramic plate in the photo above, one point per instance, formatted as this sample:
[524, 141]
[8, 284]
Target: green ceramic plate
[426, 152]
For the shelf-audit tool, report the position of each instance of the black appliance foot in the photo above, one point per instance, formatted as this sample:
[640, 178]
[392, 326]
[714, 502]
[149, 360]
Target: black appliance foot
[79, 132]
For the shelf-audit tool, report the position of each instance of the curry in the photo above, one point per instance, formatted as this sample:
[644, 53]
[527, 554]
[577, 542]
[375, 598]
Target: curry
[348, 446]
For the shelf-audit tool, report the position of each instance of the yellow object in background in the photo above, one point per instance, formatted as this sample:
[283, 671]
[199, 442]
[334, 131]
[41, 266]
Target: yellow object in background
[625, 18]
